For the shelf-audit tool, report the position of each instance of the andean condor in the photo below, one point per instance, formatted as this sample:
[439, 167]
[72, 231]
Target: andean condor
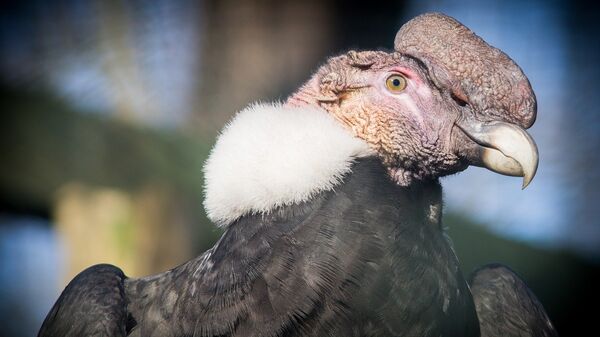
[332, 205]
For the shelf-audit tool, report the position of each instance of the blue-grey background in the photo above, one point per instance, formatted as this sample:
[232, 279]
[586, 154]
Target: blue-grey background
[108, 109]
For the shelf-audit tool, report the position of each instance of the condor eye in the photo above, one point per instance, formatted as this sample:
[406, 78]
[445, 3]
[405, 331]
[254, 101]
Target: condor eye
[396, 83]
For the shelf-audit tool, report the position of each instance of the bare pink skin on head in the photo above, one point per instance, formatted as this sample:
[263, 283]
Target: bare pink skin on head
[464, 103]
[411, 130]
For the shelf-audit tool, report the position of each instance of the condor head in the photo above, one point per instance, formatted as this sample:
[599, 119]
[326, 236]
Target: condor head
[444, 99]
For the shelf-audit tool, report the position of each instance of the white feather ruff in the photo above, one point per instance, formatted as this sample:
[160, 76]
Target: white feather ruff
[270, 155]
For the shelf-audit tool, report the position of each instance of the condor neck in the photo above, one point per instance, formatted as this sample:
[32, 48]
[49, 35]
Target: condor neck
[368, 186]
[273, 155]
[429, 194]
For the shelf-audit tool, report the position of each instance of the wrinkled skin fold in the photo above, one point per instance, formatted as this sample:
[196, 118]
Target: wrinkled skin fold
[499, 103]
[464, 103]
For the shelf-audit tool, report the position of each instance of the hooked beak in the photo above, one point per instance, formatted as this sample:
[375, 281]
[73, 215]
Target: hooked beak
[503, 148]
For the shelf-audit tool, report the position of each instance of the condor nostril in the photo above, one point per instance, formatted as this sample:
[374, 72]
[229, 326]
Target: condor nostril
[458, 100]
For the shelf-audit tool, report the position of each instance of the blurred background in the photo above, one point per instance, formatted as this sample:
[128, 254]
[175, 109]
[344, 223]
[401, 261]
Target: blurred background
[108, 110]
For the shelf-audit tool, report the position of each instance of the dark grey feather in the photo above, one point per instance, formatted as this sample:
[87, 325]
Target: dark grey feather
[367, 259]
[363, 260]
[506, 306]
[93, 304]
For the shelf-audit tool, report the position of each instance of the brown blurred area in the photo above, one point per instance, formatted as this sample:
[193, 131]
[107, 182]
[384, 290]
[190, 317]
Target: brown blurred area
[259, 49]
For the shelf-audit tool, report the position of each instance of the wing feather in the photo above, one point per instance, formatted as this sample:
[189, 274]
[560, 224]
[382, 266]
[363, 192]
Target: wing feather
[506, 306]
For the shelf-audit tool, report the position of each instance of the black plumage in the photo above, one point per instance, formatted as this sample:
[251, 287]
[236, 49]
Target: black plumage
[368, 259]
[506, 306]
[93, 304]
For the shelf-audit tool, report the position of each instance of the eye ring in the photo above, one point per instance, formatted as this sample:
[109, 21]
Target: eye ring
[396, 83]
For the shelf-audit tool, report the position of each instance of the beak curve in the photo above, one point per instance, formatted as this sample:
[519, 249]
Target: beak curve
[503, 148]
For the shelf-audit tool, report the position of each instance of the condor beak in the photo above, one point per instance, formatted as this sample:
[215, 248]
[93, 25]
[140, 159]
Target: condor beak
[503, 148]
